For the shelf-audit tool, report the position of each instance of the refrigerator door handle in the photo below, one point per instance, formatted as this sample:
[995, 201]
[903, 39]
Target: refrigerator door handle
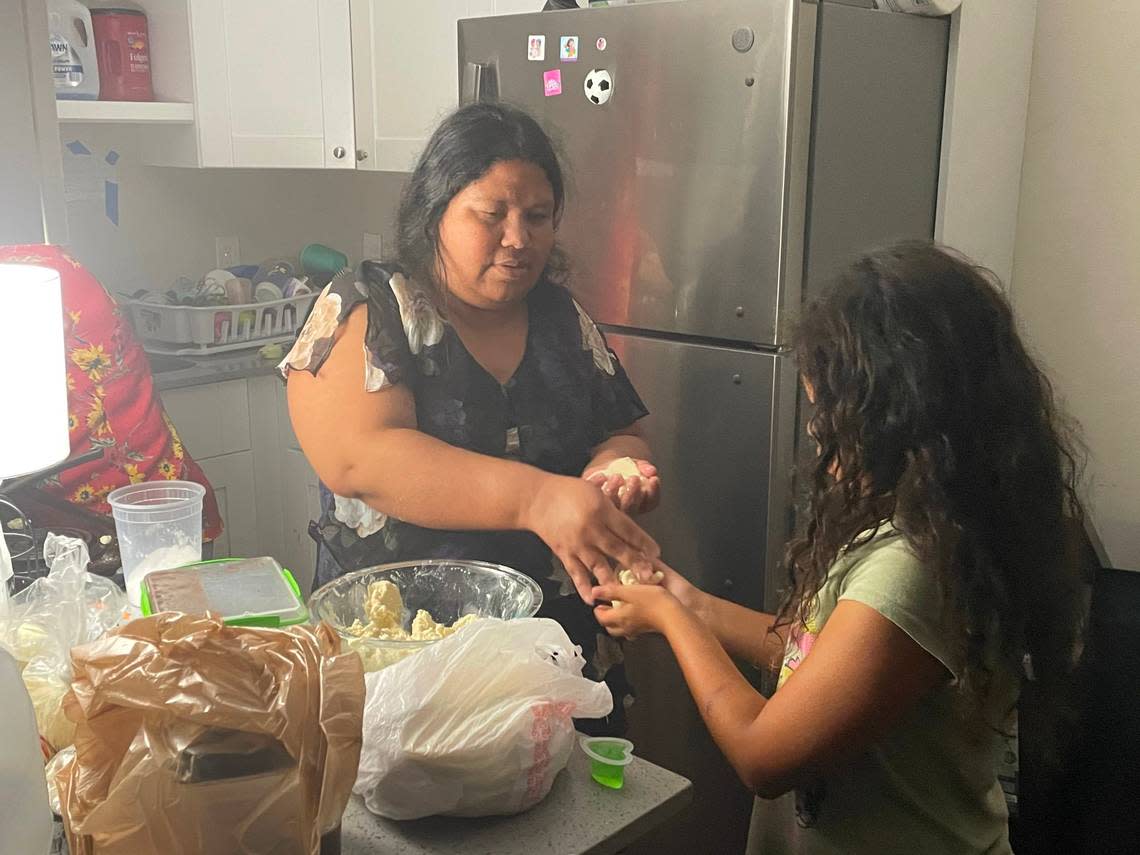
[480, 82]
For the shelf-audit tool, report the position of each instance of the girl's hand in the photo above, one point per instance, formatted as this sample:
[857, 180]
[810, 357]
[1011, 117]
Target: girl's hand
[688, 594]
[584, 529]
[634, 494]
[642, 609]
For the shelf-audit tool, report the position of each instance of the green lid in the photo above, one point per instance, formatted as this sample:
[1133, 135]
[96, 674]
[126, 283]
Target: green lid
[244, 591]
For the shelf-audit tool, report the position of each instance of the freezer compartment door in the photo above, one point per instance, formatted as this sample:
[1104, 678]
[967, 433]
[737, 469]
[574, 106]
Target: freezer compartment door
[677, 182]
[717, 429]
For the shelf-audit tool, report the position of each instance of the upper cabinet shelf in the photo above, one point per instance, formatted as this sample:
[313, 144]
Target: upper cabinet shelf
[125, 112]
[308, 84]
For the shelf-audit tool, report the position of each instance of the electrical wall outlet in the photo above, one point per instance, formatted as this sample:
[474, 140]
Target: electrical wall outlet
[226, 249]
[373, 246]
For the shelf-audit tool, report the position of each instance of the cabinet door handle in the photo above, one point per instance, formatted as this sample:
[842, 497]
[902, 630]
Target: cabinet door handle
[361, 154]
[339, 152]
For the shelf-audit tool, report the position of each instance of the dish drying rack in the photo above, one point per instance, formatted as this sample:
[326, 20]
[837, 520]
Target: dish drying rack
[197, 330]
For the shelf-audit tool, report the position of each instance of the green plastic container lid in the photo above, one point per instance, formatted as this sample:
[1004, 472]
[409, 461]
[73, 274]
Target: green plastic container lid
[244, 591]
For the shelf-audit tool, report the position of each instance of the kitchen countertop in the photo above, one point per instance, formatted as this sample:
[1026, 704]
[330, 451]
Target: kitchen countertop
[179, 372]
[577, 817]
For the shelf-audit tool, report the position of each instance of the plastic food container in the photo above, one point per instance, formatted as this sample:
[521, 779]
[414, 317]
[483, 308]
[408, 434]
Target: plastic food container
[448, 590]
[159, 525]
[608, 758]
[123, 47]
[243, 591]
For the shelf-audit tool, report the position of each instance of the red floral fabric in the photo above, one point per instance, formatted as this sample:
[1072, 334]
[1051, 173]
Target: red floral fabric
[112, 401]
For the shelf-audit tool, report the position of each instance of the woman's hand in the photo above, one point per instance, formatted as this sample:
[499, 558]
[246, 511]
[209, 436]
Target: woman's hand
[641, 608]
[634, 494]
[584, 529]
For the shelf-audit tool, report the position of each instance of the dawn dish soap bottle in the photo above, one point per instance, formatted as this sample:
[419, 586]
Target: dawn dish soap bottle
[74, 62]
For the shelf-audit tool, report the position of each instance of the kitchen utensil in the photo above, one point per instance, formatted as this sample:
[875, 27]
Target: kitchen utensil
[318, 258]
[159, 524]
[267, 292]
[296, 288]
[239, 291]
[243, 591]
[273, 265]
[608, 758]
[446, 589]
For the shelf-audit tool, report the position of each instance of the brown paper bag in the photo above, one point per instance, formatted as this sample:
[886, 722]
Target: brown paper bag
[196, 737]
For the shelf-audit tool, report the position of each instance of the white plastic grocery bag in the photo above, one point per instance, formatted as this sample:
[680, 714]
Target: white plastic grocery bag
[476, 724]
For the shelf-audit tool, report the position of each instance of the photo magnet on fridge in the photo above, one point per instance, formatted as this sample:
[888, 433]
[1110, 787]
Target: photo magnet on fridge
[552, 82]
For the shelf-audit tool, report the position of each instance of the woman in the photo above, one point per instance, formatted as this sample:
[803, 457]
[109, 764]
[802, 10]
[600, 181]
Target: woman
[460, 404]
[112, 404]
[939, 555]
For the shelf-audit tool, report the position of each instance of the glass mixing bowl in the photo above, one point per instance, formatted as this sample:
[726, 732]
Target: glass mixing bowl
[446, 589]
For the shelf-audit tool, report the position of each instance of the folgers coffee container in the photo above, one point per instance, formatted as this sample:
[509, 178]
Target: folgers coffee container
[123, 47]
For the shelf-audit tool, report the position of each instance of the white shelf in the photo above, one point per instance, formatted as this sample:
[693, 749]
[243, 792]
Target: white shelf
[130, 112]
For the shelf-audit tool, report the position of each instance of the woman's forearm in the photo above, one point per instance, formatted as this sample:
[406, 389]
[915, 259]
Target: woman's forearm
[423, 480]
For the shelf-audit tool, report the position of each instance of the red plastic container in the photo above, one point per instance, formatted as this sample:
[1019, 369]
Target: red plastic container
[123, 47]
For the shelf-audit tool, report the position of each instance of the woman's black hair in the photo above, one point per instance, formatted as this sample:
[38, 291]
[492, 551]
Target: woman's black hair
[463, 148]
[930, 413]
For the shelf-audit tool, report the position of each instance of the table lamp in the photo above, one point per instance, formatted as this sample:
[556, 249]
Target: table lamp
[33, 421]
[33, 436]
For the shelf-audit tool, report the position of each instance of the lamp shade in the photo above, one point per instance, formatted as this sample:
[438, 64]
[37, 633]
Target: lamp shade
[33, 387]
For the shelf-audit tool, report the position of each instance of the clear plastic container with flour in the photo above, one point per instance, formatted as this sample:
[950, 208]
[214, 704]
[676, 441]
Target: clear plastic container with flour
[159, 524]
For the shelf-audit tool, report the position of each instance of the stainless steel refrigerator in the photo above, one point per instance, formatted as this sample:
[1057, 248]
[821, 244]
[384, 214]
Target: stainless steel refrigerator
[724, 158]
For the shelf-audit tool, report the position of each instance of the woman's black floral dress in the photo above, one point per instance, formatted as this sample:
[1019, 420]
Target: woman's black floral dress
[568, 395]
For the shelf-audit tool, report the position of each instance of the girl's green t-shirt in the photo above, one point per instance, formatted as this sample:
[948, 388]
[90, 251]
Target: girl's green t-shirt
[929, 785]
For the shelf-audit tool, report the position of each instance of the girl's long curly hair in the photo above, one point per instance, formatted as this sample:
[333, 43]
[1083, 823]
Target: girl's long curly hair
[929, 412]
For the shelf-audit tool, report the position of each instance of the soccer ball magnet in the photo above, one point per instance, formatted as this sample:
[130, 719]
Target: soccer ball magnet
[599, 86]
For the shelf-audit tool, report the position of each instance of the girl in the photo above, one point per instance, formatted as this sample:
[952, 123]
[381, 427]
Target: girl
[938, 555]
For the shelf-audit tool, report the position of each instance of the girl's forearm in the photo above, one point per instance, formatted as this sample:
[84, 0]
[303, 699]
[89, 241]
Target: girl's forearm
[746, 634]
[727, 702]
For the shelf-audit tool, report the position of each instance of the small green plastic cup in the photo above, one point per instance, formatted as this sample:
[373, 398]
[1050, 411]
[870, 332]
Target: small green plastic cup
[608, 758]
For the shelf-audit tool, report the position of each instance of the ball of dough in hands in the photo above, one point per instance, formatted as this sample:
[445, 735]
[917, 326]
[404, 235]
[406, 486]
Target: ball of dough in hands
[627, 577]
[626, 467]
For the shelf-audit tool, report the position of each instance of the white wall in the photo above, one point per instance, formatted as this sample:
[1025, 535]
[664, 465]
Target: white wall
[1076, 281]
[169, 218]
[983, 136]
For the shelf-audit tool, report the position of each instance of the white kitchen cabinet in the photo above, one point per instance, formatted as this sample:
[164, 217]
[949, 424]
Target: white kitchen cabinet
[239, 432]
[302, 504]
[337, 84]
[405, 64]
[272, 87]
[516, 7]
[300, 495]
[405, 59]
[231, 476]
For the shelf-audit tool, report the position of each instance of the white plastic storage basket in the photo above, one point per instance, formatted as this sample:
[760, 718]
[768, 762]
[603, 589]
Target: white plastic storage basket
[206, 328]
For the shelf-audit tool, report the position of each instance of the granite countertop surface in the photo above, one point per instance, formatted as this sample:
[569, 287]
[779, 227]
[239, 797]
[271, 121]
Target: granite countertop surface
[178, 372]
[578, 816]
